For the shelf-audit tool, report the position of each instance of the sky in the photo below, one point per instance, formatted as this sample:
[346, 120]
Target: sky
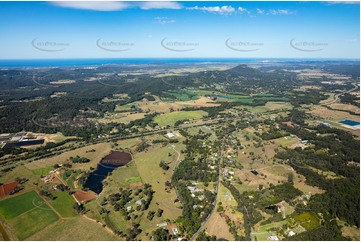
[222, 29]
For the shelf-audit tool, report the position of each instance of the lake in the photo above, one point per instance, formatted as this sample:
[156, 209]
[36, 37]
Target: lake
[108, 164]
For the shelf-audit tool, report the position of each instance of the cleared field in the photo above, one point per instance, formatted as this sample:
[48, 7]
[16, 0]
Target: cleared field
[58, 137]
[308, 220]
[125, 118]
[346, 107]
[261, 233]
[20, 171]
[14, 206]
[84, 196]
[43, 171]
[24, 211]
[217, 226]
[166, 107]
[32, 221]
[78, 228]
[269, 106]
[286, 141]
[148, 167]
[63, 204]
[332, 115]
[171, 118]
[101, 150]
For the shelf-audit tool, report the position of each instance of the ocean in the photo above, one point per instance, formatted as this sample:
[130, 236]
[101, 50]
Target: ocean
[135, 61]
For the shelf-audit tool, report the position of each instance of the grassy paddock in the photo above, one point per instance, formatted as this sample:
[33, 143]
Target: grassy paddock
[171, 118]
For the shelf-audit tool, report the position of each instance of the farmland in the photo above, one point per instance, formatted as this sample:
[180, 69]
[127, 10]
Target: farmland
[171, 118]
[23, 211]
[234, 154]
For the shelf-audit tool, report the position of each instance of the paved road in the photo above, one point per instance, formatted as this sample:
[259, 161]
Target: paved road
[217, 195]
[337, 96]
[102, 140]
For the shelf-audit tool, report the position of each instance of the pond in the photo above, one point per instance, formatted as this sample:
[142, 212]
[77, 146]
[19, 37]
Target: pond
[108, 164]
[350, 122]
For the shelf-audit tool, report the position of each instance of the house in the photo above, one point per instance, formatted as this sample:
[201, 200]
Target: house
[273, 238]
[305, 141]
[175, 231]
[291, 233]
[129, 208]
[170, 135]
[162, 224]
[139, 202]
[191, 188]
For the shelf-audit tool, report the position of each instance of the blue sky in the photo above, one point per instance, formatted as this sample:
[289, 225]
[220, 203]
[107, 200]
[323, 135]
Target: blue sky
[33, 30]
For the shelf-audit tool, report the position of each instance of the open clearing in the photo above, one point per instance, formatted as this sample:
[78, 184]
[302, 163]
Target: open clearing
[333, 115]
[78, 228]
[166, 107]
[58, 137]
[346, 107]
[63, 204]
[23, 224]
[124, 118]
[171, 118]
[23, 211]
[149, 170]
[217, 226]
[101, 150]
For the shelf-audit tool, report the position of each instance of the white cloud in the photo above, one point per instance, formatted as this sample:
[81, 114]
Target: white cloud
[275, 11]
[342, 2]
[280, 12]
[159, 5]
[163, 20]
[116, 6]
[242, 10]
[224, 10]
[96, 6]
[260, 11]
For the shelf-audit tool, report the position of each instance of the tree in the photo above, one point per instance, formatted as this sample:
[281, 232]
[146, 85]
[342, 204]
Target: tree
[159, 212]
[150, 215]
[290, 178]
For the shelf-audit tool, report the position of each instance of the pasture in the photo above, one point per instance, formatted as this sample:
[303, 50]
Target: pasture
[63, 204]
[332, 115]
[23, 211]
[78, 228]
[171, 118]
[101, 150]
[308, 220]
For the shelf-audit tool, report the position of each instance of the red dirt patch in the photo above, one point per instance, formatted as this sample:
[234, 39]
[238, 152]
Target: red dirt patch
[83, 196]
[137, 184]
[6, 189]
[117, 158]
[2, 192]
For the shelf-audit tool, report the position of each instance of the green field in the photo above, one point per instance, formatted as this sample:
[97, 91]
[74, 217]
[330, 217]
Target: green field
[171, 118]
[78, 228]
[17, 205]
[32, 221]
[263, 232]
[308, 220]
[43, 171]
[63, 204]
[69, 177]
[183, 95]
[26, 214]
